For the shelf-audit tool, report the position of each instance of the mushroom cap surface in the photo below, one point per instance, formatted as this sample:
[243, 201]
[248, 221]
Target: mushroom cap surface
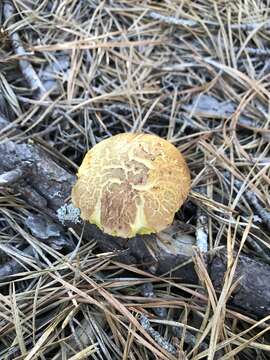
[131, 184]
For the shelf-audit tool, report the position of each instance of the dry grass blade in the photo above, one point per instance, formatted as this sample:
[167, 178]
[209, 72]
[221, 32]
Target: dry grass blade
[84, 353]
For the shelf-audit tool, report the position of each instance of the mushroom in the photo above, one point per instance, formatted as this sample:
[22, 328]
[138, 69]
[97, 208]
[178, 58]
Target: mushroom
[131, 183]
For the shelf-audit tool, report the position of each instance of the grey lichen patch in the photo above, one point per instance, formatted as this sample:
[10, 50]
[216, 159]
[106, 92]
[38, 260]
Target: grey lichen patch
[68, 212]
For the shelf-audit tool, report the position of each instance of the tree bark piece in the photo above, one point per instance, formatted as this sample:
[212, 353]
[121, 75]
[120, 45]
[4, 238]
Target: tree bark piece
[253, 292]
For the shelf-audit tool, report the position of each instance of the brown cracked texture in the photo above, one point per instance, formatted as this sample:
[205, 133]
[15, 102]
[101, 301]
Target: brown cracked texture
[131, 184]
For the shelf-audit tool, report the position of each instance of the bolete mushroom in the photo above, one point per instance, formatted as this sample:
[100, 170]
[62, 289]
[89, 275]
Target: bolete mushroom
[131, 184]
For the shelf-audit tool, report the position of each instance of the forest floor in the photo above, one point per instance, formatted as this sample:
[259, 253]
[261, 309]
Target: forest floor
[75, 72]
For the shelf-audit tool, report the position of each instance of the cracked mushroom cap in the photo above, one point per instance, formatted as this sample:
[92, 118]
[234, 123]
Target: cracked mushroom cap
[131, 184]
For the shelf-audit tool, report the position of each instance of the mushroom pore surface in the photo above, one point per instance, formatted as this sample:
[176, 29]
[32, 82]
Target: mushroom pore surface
[131, 184]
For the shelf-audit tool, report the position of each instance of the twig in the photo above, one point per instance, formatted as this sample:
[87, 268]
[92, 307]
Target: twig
[26, 68]
[192, 23]
[172, 20]
[262, 212]
[156, 335]
[252, 26]
[255, 51]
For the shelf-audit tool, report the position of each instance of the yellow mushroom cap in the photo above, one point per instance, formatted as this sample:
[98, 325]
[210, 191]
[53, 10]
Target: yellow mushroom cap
[131, 184]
